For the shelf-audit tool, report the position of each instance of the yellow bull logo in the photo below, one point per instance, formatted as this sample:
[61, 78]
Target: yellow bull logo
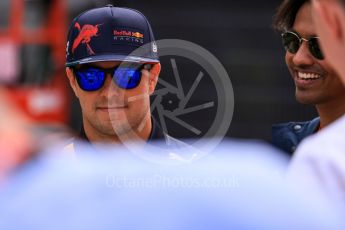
[137, 35]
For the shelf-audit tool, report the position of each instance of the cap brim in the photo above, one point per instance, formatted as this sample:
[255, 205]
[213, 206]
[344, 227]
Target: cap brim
[111, 57]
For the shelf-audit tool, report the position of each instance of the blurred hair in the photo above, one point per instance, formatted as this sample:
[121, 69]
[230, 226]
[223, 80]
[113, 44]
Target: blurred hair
[286, 14]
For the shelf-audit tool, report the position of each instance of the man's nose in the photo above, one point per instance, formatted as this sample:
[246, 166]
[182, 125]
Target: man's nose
[110, 88]
[303, 57]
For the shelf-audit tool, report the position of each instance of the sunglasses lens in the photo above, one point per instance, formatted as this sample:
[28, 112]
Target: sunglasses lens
[291, 42]
[127, 77]
[90, 79]
[315, 48]
[93, 78]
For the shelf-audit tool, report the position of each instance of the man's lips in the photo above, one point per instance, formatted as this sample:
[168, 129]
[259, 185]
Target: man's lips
[107, 108]
[304, 78]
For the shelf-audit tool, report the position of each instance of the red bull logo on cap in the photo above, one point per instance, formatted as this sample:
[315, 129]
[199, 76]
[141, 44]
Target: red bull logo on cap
[137, 35]
[129, 36]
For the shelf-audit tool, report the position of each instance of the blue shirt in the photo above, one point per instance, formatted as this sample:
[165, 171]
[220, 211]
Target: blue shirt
[287, 136]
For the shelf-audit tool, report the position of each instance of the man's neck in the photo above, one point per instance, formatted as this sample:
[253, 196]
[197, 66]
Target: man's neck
[331, 111]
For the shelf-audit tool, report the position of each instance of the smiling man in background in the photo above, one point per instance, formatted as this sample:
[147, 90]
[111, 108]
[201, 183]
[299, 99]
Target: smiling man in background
[316, 81]
[319, 162]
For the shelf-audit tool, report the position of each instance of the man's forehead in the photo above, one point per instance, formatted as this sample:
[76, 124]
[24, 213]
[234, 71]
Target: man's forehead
[304, 23]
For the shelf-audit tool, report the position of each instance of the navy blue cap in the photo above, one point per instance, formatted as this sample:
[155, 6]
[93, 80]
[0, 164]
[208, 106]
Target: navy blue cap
[110, 34]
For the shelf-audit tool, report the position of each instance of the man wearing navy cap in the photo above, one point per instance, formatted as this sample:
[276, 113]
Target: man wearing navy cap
[113, 68]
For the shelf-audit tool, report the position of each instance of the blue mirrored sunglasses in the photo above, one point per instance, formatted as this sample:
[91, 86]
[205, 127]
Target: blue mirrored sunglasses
[92, 78]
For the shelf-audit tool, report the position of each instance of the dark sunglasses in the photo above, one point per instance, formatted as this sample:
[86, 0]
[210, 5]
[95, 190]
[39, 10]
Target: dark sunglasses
[91, 78]
[292, 41]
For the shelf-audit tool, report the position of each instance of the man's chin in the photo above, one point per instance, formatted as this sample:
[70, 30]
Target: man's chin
[306, 100]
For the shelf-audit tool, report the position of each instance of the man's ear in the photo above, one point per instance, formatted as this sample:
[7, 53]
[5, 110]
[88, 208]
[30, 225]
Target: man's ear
[154, 74]
[72, 80]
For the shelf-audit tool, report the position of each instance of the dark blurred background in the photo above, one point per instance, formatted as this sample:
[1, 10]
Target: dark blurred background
[238, 33]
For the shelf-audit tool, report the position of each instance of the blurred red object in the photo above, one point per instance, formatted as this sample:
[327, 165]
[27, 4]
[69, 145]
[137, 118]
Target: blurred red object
[16, 142]
[48, 102]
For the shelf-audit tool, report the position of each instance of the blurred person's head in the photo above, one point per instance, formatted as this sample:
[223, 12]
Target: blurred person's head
[113, 85]
[315, 79]
[120, 191]
[329, 16]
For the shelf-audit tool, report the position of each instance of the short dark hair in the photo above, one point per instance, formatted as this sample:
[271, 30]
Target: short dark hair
[286, 14]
